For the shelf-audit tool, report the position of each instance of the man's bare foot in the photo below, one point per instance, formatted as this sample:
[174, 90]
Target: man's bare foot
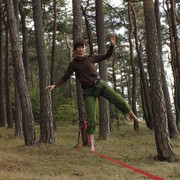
[92, 149]
[91, 142]
[133, 116]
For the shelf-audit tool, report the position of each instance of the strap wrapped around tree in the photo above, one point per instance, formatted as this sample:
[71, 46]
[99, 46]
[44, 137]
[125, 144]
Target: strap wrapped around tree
[83, 126]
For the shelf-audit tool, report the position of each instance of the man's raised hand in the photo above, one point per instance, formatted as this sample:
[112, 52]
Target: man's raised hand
[112, 39]
[51, 87]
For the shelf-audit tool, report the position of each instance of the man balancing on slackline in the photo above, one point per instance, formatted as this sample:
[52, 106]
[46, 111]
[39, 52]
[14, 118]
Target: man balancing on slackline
[84, 68]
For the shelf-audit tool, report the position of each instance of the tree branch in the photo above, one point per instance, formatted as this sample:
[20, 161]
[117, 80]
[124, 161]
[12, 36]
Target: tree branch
[124, 23]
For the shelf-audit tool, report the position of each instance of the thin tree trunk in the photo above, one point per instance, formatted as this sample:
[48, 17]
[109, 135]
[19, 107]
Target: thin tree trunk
[28, 120]
[25, 41]
[104, 117]
[53, 57]
[176, 39]
[127, 78]
[176, 62]
[8, 83]
[70, 59]
[89, 32]
[114, 72]
[18, 113]
[173, 63]
[164, 148]
[133, 104]
[46, 116]
[2, 110]
[145, 95]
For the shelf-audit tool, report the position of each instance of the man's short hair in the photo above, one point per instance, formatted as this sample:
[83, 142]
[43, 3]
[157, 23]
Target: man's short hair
[79, 42]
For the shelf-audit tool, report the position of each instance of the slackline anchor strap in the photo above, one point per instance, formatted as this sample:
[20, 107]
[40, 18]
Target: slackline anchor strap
[84, 135]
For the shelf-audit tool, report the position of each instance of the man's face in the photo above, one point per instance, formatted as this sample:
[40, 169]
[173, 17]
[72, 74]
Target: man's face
[81, 50]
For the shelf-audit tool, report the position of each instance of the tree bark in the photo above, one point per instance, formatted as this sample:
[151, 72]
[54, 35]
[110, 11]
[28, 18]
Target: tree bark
[25, 41]
[171, 123]
[126, 77]
[18, 112]
[46, 116]
[104, 117]
[164, 148]
[176, 39]
[7, 81]
[2, 110]
[145, 95]
[133, 104]
[77, 32]
[70, 59]
[176, 62]
[28, 120]
[89, 32]
[53, 57]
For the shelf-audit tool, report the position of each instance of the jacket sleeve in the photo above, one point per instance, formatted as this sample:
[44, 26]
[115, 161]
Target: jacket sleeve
[99, 58]
[66, 76]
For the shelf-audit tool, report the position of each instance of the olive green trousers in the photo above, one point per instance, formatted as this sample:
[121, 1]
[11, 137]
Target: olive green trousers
[101, 89]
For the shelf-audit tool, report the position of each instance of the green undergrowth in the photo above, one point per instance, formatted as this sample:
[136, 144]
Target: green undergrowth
[62, 160]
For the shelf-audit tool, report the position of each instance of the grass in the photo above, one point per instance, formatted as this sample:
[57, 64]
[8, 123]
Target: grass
[61, 160]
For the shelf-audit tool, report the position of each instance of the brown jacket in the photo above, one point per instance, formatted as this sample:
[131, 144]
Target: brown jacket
[84, 68]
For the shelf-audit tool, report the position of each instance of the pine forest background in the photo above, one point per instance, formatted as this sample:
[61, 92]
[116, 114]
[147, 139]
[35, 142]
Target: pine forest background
[36, 46]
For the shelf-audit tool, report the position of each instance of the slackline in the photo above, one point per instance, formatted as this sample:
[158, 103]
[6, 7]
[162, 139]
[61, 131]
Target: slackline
[118, 162]
[128, 166]
[125, 165]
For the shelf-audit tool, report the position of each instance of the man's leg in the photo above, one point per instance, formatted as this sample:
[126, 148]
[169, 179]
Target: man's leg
[115, 98]
[90, 105]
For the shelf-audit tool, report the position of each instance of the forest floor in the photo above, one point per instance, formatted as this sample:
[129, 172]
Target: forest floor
[62, 161]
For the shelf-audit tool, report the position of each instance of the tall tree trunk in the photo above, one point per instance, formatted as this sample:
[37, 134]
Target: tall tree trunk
[46, 116]
[28, 120]
[77, 32]
[171, 123]
[133, 104]
[89, 32]
[8, 83]
[114, 72]
[173, 62]
[43, 7]
[176, 61]
[18, 112]
[25, 40]
[145, 95]
[164, 148]
[70, 59]
[114, 61]
[126, 77]
[104, 119]
[2, 112]
[175, 36]
[53, 57]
